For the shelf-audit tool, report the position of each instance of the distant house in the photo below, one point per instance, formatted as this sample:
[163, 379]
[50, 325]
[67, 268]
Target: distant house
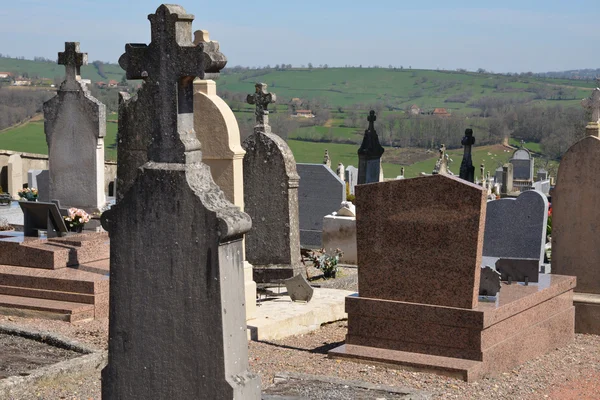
[441, 112]
[4, 75]
[304, 114]
[415, 110]
[113, 83]
[22, 82]
[101, 85]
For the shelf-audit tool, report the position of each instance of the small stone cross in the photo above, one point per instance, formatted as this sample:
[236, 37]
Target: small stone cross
[72, 59]
[372, 118]
[261, 99]
[169, 65]
[593, 103]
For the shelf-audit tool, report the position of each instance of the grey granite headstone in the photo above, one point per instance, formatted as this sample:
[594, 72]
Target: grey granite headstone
[32, 175]
[177, 317]
[42, 216]
[351, 174]
[75, 127]
[369, 154]
[523, 163]
[299, 289]
[320, 193]
[270, 198]
[516, 228]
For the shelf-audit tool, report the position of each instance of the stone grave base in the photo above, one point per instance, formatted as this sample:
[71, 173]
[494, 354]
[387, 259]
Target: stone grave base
[523, 323]
[275, 272]
[587, 313]
[281, 317]
[54, 253]
[64, 278]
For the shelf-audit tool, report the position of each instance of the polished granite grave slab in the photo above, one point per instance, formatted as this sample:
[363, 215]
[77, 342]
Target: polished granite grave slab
[52, 253]
[523, 322]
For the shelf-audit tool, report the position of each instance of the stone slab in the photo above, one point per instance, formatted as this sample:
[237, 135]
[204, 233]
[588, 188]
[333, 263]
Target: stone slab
[517, 269]
[438, 223]
[516, 228]
[54, 253]
[281, 317]
[536, 340]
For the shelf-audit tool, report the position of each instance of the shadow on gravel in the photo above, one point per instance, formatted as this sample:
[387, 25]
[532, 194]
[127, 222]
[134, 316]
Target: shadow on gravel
[324, 349]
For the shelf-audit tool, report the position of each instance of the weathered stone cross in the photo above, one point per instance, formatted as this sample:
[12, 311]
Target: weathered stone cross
[467, 170]
[372, 118]
[72, 59]
[168, 66]
[261, 98]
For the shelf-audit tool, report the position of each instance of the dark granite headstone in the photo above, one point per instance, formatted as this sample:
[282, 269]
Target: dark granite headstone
[42, 216]
[270, 198]
[320, 193]
[177, 315]
[523, 164]
[516, 228]
[519, 269]
[369, 154]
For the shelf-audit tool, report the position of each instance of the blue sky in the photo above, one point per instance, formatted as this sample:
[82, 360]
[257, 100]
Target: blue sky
[511, 36]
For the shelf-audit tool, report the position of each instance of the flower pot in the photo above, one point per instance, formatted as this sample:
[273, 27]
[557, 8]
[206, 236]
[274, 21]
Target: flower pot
[76, 228]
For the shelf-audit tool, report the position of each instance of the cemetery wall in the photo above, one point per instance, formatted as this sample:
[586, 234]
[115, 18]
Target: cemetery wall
[40, 161]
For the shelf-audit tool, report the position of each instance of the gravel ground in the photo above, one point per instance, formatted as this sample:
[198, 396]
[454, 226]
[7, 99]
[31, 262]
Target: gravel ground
[572, 372]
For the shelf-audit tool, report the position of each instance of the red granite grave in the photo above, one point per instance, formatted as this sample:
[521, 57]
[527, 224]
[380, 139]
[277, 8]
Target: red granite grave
[419, 254]
[59, 278]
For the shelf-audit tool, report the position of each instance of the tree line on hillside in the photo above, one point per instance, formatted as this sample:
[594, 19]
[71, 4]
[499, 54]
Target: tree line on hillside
[19, 105]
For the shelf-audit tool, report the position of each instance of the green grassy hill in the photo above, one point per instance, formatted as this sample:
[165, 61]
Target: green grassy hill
[400, 88]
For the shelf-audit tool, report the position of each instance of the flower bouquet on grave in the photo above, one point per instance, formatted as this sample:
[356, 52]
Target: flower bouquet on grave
[76, 219]
[28, 194]
[326, 262]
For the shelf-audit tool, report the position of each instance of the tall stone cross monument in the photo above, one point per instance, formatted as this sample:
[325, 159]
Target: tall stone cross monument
[369, 154]
[75, 127]
[177, 316]
[467, 170]
[592, 103]
[271, 198]
[261, 99]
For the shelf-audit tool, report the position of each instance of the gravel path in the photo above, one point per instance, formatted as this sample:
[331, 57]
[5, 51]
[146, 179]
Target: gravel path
[572, 372]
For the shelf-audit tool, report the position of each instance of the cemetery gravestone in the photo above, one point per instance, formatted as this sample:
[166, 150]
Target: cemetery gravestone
[467, 170]
[369, 154]
[516, 227]
[340, 171]
[351, 175]
[320, 193]
[575, 221]
[15, 175]
[593, 105]
[270, 198]
[418, 301]
[219, 133]
[75, 127]
[161, 346]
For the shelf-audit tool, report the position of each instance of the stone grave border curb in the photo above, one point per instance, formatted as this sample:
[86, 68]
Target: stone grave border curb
[288, 376]
[92, 360]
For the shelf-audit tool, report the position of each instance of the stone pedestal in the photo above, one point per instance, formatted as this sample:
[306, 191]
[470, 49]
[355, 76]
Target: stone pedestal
[469, 344]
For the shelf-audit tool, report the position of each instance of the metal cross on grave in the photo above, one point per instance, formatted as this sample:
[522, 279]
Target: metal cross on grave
[261, 98]
[168, 66]
[72, 59]
[593, 103]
